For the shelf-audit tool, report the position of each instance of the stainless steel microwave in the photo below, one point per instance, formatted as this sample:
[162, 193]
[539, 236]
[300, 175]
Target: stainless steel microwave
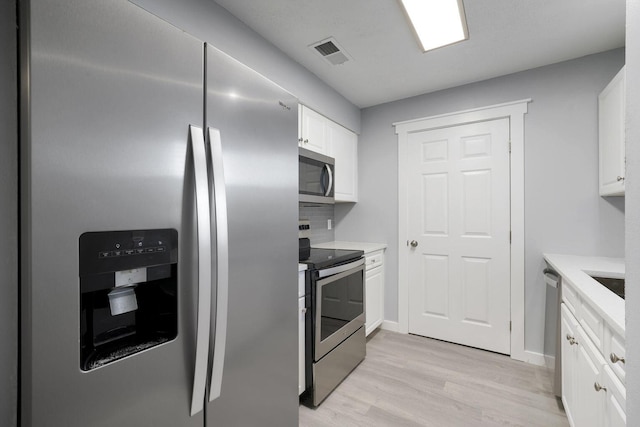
[315, 177]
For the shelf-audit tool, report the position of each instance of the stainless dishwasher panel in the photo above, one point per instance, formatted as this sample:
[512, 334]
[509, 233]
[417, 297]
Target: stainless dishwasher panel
[552, 324]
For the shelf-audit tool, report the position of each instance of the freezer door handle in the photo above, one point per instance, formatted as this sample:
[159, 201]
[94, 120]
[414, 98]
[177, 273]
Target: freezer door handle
[219, 210]
[203, 222]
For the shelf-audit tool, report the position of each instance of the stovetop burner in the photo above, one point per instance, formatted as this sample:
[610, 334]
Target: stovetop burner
[323, 258]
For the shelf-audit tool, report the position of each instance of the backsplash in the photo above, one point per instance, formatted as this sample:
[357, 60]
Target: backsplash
[318, 215]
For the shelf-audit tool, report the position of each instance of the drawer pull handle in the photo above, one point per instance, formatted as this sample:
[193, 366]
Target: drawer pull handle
[620, 178]
[615, 359]
[571, 340]
[598, 387]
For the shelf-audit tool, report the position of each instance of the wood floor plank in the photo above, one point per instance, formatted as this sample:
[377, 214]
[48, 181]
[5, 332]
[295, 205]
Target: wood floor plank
[411, 381]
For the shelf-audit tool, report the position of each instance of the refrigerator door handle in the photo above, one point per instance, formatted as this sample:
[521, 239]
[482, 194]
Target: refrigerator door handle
[203, 219]
[219, 209]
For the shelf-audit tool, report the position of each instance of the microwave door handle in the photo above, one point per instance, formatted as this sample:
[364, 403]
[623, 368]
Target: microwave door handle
[330, 175]
[203, 236]
[219, 208]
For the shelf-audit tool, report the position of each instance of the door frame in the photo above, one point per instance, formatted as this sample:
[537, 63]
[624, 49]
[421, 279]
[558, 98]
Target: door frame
[515, 112]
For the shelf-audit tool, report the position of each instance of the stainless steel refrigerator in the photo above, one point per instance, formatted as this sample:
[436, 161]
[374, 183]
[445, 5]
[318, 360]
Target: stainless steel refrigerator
[158, 247]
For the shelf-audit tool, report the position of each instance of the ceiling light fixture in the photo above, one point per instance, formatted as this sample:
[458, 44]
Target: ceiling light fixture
[437, 23]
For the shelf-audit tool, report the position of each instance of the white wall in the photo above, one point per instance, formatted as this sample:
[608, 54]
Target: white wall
[209, 22]
[8, 217]
[633, 214]
[563, 212]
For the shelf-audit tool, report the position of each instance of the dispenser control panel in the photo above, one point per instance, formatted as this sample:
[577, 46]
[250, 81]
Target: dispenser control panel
[107, 251]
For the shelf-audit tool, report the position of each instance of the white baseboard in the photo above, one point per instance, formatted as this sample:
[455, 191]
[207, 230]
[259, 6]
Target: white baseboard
[550, 361]
[534, 358]
[389, 325]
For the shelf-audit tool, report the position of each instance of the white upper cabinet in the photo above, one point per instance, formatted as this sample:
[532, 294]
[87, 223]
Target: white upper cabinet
[343, 147]
[324, 136]
[313, 131]
[611, 136]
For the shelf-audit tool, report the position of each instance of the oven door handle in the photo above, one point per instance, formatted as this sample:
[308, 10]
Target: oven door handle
[339, 269]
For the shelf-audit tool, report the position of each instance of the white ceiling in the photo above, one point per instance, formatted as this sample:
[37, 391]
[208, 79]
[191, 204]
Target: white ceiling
[505, 36]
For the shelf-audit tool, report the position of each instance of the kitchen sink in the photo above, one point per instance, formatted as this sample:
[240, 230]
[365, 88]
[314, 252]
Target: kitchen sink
[614, 285]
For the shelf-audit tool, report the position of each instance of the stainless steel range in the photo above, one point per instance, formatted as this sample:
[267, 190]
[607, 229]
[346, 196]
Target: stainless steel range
[335, 335]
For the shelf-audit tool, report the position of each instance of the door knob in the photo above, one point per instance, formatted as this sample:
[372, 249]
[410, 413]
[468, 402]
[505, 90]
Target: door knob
[414, 244]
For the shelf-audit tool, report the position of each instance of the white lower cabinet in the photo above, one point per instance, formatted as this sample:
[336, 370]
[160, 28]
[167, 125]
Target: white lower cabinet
[592, 394]
[614, 413]
[374, 290]
[301, 314]
[569, 353]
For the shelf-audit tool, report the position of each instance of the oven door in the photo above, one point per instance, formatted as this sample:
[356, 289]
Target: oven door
[339, 307]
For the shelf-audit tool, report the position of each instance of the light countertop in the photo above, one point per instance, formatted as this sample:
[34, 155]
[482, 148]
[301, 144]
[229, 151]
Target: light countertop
[354, 246]
[577, 270]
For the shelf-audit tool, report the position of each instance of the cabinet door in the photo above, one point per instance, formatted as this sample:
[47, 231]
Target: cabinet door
[589, 397]
[375, 298]
[611, 136]
[343, 147]
[314, 131]
[301, 317]
[614, 413]
[569, 360]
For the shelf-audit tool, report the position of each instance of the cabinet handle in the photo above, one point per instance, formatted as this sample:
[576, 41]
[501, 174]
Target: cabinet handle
[300, 139]
[304, 310]
[598, 387]
[620, 178]
[306, 141]
[414, 243]
[615, 358]
[571, 340]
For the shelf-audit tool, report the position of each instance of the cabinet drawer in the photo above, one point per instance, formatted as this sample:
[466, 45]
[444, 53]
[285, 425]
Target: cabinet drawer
[570, 298]
[376, 259]
[614, 349]
[593, 325]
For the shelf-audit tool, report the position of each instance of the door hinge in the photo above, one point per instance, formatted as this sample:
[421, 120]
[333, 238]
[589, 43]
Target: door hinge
[509, 146]
[510, 326]
[510, 236]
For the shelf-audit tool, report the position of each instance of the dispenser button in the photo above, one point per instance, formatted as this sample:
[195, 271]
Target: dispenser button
[104, 254]
[150, 250]
[160, 249]
[116, 253]
[139, 251]
[128, 252]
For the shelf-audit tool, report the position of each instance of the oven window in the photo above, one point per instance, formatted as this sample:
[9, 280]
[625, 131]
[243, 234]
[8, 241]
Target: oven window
[342, 302]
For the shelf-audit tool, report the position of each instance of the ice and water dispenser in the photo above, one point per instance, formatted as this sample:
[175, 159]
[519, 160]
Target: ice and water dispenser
[128, 293]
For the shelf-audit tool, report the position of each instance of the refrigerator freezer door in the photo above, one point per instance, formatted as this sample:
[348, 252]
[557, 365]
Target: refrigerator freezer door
[111, 91]
[257, 121]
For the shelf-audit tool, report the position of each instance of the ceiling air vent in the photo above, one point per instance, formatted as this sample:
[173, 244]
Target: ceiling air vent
[331, 51]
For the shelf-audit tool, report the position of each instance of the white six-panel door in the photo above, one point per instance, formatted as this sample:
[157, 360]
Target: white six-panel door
[459, 234]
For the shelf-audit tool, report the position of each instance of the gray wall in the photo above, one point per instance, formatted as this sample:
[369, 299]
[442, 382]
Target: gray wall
[633, 213]
[210, 22]
[8, 216]
[563, 212]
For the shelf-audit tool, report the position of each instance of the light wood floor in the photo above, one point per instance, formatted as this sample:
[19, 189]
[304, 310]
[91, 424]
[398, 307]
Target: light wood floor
[407, 380]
